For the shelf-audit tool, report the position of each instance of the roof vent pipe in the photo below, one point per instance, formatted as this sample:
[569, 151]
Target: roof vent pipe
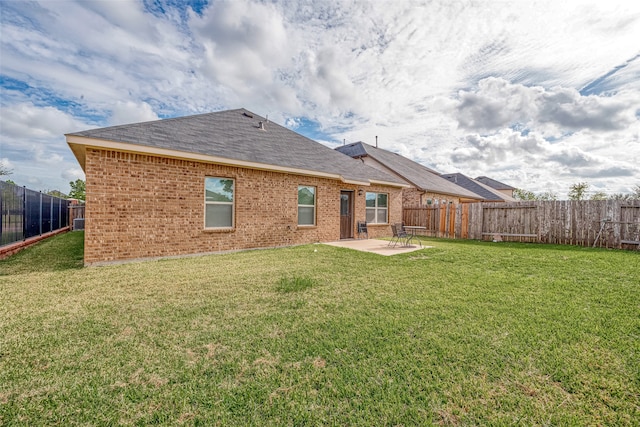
[260, 125]
[376, 141]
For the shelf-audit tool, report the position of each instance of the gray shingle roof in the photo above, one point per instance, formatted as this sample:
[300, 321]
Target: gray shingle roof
[235, 135]
[422, 177]
[486, 192]
[493, 183]
[355, 150]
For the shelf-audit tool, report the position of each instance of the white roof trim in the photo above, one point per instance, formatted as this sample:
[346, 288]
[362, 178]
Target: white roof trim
[391, 184]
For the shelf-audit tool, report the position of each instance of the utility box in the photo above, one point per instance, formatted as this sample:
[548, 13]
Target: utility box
[78, 224]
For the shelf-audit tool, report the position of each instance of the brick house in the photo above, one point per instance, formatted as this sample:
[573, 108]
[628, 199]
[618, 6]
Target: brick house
[222, 181]
[426, 186]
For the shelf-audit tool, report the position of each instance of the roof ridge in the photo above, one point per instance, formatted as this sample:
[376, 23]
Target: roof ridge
[167, 119]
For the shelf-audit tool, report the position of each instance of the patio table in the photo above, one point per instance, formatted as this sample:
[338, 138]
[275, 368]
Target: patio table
[413, 229]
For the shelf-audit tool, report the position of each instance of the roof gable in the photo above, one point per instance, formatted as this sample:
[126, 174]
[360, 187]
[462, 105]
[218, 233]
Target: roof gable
[420, 176]
[493, 183]
[237, 136]
[355, 150]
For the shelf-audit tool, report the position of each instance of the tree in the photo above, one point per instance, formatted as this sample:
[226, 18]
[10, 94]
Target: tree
[4, 170]
[56, 193]
[599, 195]
[548, 195]
[578, 191]
[634, 195]
[77, 189]
[521, 194]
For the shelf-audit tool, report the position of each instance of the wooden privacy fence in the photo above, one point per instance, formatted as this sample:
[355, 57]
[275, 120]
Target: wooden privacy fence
[607, 223]
[75, 212]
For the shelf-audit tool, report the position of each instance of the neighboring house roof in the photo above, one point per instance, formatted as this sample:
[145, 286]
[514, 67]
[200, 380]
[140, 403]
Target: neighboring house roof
[493, 183]
[233, 137]
[418, 175]
[487, 193]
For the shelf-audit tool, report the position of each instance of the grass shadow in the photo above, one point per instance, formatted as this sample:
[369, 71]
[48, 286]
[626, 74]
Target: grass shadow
[58, 253]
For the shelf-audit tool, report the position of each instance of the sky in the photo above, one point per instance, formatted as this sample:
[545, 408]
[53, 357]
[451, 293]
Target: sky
[539, 95]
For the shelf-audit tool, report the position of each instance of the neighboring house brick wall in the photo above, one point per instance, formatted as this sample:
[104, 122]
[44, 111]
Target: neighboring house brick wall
[141, 206]
[412, 197]
[438, 198]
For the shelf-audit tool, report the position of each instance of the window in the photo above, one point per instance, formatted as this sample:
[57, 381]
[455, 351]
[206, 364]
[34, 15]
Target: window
[218, 202]
[306, 205]
[377, 208]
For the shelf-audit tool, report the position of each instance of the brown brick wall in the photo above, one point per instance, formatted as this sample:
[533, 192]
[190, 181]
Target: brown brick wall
[440, 198]
[412, 197]
[140, 206]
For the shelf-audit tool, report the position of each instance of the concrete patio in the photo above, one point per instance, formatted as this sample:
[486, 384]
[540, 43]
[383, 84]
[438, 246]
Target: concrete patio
[380, 247]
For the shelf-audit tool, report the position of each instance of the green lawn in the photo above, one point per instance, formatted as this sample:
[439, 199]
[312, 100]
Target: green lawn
[465, 333]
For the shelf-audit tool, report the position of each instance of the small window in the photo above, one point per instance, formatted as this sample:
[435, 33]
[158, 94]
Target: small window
[377, 208]
[306, 205]
[218, 202]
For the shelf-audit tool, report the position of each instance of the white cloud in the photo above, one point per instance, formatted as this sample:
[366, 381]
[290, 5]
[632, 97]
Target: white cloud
[498, 103]
[506, 145]
[292, 123]
[243, 42]
[328, 83]
[538, 165]
[489, 88]
[131, 112]
[72, 174]
[26, 122]
[33, 139]
[6, 164]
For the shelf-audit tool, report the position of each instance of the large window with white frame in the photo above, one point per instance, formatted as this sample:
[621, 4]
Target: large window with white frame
[218, 202]
[377, 208]
[306, 205]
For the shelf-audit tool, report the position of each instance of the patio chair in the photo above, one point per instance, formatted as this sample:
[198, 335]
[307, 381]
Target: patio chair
[362, 229]
[398, 235]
